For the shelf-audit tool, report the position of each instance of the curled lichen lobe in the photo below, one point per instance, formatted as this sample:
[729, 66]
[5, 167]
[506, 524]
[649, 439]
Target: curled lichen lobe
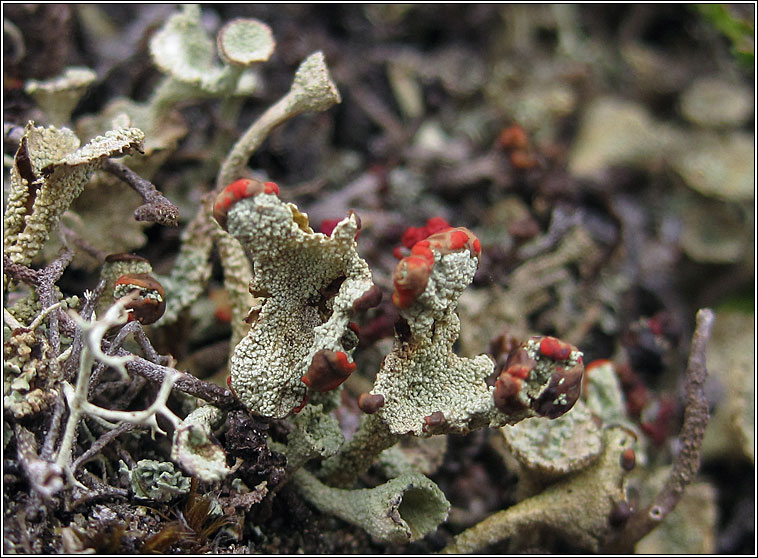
[411, 274]
[150, 303]
[544, 375]
[239, 190]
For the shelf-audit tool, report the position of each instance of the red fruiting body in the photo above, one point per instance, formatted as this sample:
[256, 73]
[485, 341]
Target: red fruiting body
[452, 240]
[236, 191]
[628, 459]
[412, 235]
[422, 250]
[370, 299]
[514, 137]
[144, 309]
[458, 239]
[437, 418]
[436, 224]
[328, 370]
[327, 225]
[370, 403]
[409, 279]
[299, 408]
[555, 348]
[519, 371]
[506, 394]
[563, 387]
[411, 274]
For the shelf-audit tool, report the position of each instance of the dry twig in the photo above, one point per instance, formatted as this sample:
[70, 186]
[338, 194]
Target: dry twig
[157, 208]
[687, 461]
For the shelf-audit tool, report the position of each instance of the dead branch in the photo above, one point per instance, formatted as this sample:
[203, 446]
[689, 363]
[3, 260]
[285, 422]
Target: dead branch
[157, 208]
[687, 461]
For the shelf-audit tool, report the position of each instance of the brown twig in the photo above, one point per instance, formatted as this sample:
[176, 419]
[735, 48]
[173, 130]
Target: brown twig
[45, 478]
[72, 362]
[157, 208]
[187, 383]
[97, 490]
[687, 461]
[48, 276]
[103, 441]
[72, 238]
[53, 431]
[19, 272]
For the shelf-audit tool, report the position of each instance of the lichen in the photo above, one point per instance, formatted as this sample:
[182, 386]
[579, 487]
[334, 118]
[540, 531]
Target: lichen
[194, 448]
[577, 509]
[555, 447]
[423, 388]
[308, 283]
[58, 97]
[50, 170]
[155, 480]
[399, 511]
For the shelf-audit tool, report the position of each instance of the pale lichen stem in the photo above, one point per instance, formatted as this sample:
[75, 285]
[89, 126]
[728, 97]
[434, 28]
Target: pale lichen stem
[131, 328]
[357, 455]
[12, 322]
[44, 477]
[236, 161]
[312, 90]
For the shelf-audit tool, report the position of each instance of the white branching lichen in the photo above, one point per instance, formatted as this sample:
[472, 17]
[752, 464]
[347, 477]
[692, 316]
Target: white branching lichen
[76, 397]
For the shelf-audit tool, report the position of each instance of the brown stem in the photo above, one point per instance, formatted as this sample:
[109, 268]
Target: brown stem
[19, 272]
[46, 293]
[187, 383]
[687, 461]
[157, 208]
[101, 442]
